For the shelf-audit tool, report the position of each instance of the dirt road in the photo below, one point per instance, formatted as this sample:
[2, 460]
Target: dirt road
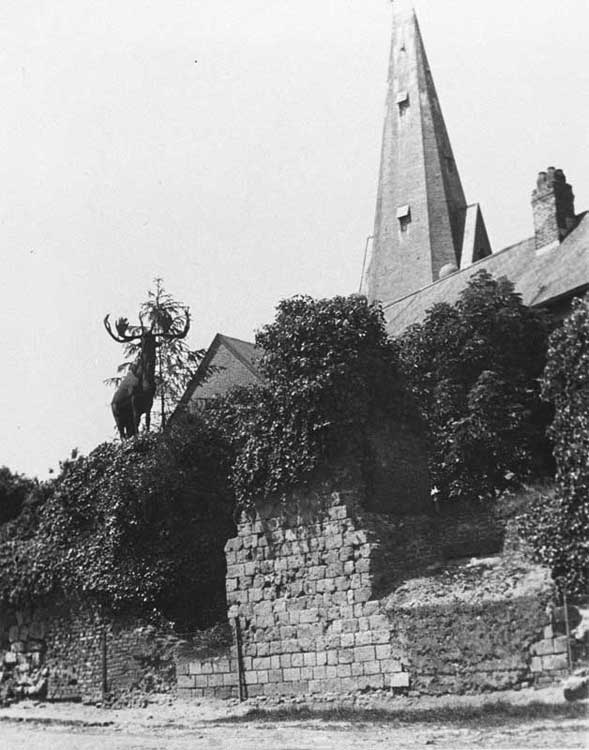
[536, 720]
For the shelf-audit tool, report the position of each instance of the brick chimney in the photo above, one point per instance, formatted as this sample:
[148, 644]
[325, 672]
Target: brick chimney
[553, 205]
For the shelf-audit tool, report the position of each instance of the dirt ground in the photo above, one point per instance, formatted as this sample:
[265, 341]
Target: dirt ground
[523, 719]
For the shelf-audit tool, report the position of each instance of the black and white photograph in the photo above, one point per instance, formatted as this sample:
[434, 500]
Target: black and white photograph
[294, 397]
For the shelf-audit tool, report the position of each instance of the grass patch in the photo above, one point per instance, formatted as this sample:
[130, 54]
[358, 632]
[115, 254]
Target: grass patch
[497, 712]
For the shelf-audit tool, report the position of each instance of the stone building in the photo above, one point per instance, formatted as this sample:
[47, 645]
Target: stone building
[428, 240]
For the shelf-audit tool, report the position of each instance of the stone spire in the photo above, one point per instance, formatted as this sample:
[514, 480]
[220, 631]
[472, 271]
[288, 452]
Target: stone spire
[420, 208]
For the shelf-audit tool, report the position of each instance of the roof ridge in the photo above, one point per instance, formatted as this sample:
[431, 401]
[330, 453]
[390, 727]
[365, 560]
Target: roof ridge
[234, 338]
[458, 271]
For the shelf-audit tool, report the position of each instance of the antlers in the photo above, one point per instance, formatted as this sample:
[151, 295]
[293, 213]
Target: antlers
[122, 325]
[182, 333]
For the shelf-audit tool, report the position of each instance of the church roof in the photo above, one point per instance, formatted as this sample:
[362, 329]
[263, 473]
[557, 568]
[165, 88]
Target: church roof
[541, 277]
[421, 212]
[228, 363]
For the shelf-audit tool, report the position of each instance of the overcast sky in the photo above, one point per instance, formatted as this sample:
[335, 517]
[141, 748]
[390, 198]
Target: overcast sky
[232, 148]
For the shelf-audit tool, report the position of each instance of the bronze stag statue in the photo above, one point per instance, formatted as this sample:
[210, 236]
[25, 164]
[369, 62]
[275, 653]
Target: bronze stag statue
[134, 396]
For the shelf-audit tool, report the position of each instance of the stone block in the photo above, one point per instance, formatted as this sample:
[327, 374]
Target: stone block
[536, 664]
[321, 658]
[297, 660]
[554, 662]
[379, 622]
[319, 673]
[364, 653]
[275, 675]
[548, 632]
[215, 680]
[372, 667]
[561, 645]
[343, 670]
[398, 680]
[391, 665]
[346, 656]
[376, 681]
[185, 682]
[383, 651]
[347, 640]
[363, 638]
[292, 675]
[543, 648]
[13, 633]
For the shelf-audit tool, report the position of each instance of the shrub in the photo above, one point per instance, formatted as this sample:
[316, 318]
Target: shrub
[14, 490]
[558, 529]
[473, 368]
[329, 367]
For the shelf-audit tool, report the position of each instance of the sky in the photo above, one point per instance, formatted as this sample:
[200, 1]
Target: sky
[231, 148]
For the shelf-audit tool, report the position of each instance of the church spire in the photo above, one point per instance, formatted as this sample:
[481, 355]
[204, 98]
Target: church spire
[421, 208]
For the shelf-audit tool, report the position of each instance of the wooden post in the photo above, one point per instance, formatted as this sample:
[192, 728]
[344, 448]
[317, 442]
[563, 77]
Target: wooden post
[240, 671]
[567, 630]
[104, 664]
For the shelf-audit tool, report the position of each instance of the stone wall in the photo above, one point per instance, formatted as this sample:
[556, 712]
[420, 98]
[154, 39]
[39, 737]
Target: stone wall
[330, 598]
[59, 652]
[467, 626]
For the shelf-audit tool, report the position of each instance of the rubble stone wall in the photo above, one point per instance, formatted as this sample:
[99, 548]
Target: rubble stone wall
[58, 652]
[312, 582]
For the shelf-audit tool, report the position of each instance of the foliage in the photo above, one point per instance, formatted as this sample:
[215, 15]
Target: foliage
[328, 366]
[14, 490]
[557, 527]
[473, 368]
[176, 363]
[135, 526]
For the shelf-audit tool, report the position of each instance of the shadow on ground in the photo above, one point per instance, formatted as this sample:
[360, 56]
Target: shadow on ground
[488, 714]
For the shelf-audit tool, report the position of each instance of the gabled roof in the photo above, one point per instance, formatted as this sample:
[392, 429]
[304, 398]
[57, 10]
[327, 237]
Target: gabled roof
[540, 276]
[244, 351]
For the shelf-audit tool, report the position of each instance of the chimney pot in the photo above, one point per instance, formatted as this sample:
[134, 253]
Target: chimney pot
[553, 206]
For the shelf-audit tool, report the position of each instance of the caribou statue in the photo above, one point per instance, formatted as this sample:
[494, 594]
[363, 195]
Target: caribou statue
[134, 395]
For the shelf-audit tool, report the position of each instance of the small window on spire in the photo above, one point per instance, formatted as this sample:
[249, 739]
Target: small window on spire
[404, 217]
[402, 100]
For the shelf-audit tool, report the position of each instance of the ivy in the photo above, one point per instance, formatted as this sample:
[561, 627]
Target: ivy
[329, 368]
[557, 526]
[133, 526]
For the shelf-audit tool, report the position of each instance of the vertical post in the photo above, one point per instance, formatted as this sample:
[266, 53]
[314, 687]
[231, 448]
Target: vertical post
[104, 663]
[240, 672]
[162, 396]
[567, 630]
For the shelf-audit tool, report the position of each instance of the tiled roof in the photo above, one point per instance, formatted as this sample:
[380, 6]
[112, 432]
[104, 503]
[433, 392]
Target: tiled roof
[244, 351]
[539, 276]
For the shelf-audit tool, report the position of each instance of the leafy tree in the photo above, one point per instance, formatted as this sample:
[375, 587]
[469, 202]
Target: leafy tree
[329, 367]
[14, 491]
[176, 362]
[473, 368]
[557, 526]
